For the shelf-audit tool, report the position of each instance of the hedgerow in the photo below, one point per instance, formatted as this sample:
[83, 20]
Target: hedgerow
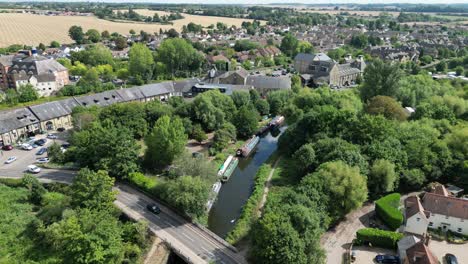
[386, 209]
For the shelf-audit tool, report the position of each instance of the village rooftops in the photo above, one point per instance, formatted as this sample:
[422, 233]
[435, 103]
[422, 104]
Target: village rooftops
[156, 89]
[48, 111]
[16, 118]
[100, 99]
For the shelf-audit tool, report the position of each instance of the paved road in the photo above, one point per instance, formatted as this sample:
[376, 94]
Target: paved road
[188, 240]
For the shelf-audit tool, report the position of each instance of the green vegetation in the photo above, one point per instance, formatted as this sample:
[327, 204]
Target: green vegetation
[379, 238]
[387, 209]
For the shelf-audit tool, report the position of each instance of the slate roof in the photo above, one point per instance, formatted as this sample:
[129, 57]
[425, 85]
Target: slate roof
[130, 94]
[6, 60]
[346, 69]
[156, 89]
[267, 82]
[16, 118]
[304, 57]
[100, 99]
[184, 86]
[51, 110]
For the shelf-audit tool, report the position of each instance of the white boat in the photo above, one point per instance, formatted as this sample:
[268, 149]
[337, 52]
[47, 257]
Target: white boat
[225, 165]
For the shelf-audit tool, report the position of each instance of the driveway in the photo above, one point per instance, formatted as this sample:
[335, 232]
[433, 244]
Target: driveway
[440, 248]
[366, 255]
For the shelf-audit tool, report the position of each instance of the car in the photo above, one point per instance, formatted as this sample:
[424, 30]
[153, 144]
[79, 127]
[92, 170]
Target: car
[451, 259]
[26, 146]
[60, 129]
[41, 151]
[65, 145]
[10, 160]
[34, 169]
[43, 160]
[40, 142]
[7, 147]
[51, 136]
[387, 259]
[154, 208]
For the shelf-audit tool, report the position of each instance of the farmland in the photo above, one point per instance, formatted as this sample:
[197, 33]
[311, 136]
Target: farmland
[32, 29]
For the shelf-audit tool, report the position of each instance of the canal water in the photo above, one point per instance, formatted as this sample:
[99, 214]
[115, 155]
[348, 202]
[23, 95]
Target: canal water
[235, 193]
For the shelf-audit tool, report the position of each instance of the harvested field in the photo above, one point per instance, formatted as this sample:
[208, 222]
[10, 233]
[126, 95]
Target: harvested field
[32, 29]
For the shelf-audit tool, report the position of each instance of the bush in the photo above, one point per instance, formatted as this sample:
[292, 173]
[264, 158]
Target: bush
[141, 181]
[379, 238]
[11, 182]
[387, 210]
[249, 211]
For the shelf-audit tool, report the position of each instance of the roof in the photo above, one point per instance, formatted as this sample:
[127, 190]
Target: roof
[51, 110]
[100, 99]
[440, 189]
[185, 85]
[445, 205]
[6, 60]
[413, 206]
[16, 118]
[304, 57]
[419, 253]
[267, 82]
[130, 94]
[322, 57]
[346, 69]
[156, 89]
[407, 242]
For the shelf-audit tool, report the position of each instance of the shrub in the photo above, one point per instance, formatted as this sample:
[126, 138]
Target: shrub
[249, 211]
[387, 210]
[11, 182]
[141, 181]
[379, 238]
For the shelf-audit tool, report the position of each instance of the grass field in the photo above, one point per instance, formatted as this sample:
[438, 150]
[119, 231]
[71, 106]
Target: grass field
[33, 29]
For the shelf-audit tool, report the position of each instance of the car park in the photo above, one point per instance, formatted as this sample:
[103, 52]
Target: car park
[43, 160]
[51, 136]
[41, 151]
[451, 259]
[387, 259]
[34, 169]
[7, 147]
[154, 208]
[10, 160]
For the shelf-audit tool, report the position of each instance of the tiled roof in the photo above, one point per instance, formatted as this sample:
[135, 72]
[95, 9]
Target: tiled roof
[419, 253]
[267, 82]
[413, 206]
[155, 89]
[16, 118]
[445, 205]
[55, 109]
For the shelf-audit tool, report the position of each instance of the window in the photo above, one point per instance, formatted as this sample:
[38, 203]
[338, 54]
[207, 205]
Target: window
[418, 219]
[459, 230]
[324, 69]
[312, 67]
[431, 224]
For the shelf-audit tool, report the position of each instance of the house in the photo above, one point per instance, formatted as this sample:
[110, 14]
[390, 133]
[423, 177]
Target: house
[16, 124]
[100, 99]
[55, 114]
[265, 84]
[157, 91]
[437, 210]
[419, 253]
[133, 94]
[406, 243]
[318, 69]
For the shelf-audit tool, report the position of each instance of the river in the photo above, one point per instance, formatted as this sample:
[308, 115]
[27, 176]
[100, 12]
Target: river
[235, 193]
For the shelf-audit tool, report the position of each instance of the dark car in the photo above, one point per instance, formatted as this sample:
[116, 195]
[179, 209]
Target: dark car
[7, 147]
[40, 142]
[153, 208]
[60, 129]
[387, 259]
[41, 151]
[451, 259]
[65, 145]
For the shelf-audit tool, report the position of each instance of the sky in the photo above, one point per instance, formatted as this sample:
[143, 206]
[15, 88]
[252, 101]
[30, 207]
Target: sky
[267, 1]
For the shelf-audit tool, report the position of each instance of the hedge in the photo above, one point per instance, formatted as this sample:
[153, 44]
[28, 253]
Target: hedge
[379, 238]
[141, 181]
[386, 209]
[249, 211]
[12, 182]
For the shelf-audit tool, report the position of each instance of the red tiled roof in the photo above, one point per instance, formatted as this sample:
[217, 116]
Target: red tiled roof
[413, 206]
[445, 205]
[419, 253]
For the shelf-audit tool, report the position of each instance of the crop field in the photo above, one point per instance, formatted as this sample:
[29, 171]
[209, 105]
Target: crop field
[32, 29]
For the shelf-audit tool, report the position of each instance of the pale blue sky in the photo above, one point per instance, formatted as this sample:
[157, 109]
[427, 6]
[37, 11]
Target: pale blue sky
[267, 1]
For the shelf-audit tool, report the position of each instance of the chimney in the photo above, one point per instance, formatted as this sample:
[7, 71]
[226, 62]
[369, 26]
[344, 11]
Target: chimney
[33, 52]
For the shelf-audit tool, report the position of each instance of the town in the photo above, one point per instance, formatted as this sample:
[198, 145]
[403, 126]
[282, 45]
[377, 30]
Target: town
[212, 133]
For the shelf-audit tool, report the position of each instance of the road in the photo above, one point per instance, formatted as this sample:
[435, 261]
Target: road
[191, 242]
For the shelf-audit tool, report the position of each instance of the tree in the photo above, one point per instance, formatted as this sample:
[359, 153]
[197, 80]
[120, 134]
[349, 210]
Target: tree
[93, 190]
[304, 159]
[206, 113]
[277, 100]
[35, 188]
[140, 61]
[386, 106]
[11, 97]
[121, 43]
[246, 121]
[166, 141]
[172, 33]
[132, 32]
[359, 41]
[130, 115]
[54, 44]
[304, 47]
[459, 70]
[187, 165]
[55, 153]
[188, 194]
[382, 177]
[289, 45]
[41, 46]
[93, 35]
[198, 134]
[380, 78]
[345, 186]
[441, 66]
[94, 55]
[240, 98]
[53, 204]
[262, 107]
[105, 34]
[27, 93]
[76, 33]
[179, 56]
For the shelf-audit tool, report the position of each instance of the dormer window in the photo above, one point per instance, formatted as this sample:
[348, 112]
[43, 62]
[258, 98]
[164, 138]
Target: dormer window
[96, 101]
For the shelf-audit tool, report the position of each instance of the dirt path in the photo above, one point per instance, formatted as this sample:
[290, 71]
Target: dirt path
[267, 189]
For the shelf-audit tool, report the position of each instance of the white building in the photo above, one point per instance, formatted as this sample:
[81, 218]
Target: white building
[438, 210]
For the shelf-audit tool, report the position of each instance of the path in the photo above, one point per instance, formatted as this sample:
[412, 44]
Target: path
[267, 188]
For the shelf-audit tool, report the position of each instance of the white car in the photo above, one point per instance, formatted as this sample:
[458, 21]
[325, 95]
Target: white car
[51, 136]
[42, 160]
[10, 160]
[26, 147]
[34, 169]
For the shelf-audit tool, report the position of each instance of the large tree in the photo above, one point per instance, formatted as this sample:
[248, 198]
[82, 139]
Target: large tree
[382, 177]
[76, 33]
[246, 121]
[386, 106]
[166, 141]
[380, 78]
[289, 45]
[141, 61]
[93, 190]
[179, 56]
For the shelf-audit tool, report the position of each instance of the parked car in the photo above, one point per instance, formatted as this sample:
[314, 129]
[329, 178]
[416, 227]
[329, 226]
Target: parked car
[40, 142]
[43, 160]
[60, 129]
[7, 147]
[34, 169]
[451, 259]
[153, 208]
[51, 136]
[26, 146]
[10, 160]
[387, 259]
[41, 151]
[65, 145]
